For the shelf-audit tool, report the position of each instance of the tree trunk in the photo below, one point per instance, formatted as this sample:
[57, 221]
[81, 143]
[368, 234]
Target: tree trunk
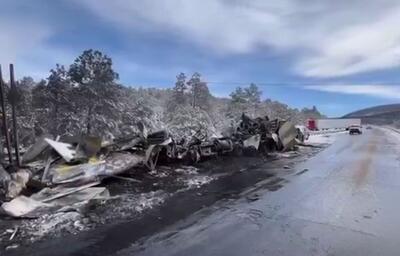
[89, 119]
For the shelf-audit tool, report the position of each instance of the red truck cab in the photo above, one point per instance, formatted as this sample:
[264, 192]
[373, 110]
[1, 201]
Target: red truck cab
[311, 124]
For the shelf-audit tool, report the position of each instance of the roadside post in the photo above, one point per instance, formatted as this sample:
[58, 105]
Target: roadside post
[4, 118]
[13, 101]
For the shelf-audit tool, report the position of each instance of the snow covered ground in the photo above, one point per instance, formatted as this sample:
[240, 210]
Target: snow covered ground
[324, 138]
[395, 133]
[123, 205]
[330, 131]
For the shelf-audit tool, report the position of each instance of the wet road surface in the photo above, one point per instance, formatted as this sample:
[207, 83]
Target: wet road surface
[344, 201]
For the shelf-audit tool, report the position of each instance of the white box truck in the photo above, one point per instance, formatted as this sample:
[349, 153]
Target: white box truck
[335, 123]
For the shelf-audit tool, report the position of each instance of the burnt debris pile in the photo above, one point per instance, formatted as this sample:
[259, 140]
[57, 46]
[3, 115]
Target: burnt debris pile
[60, 173]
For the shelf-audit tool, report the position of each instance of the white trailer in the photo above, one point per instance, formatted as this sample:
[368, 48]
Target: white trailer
[336, 123]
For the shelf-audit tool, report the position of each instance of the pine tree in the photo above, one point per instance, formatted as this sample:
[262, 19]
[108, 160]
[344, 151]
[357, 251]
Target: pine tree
[95, 88]
[179, 97]
[180, 89]
[199, 92]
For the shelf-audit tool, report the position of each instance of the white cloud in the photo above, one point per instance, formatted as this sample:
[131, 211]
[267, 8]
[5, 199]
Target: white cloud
[24, 42]
[329, 38]
[20, 43]
[17, 37]
[373, 45]
[382, 91]
[334, 38]
[221, 25]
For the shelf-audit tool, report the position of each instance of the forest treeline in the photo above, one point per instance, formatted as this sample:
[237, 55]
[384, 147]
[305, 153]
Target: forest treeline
[86, 98]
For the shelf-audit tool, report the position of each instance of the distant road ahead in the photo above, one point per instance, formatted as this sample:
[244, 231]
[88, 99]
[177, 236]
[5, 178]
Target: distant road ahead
[347, 202]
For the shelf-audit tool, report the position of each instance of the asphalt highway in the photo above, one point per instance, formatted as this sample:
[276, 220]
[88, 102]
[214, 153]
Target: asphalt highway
[343, 201]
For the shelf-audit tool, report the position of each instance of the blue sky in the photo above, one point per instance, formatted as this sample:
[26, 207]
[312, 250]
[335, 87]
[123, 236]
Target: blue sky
[300, 52]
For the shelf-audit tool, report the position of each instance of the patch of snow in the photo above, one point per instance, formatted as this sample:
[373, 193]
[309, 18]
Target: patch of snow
[74, 222]
[390, 130]
[191, 177]
[187, 170]
[47, 224]
[288, 154]
[115, 208]
[197, 181]
[158, 173]
[327, 138]
[149, 200]
[138, 202]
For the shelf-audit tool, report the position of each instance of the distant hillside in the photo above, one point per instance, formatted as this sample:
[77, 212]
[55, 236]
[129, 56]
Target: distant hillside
[381, 115]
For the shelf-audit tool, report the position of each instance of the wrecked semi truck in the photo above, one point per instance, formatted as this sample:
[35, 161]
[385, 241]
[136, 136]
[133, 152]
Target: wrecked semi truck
[64, 167]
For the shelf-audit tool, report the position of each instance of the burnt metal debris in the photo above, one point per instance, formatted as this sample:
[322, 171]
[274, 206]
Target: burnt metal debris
[73, 162]
[66, 170]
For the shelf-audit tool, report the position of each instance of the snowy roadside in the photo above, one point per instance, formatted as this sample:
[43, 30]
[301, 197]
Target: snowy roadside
[164, 197]
[324, 138]
[127, 200]
[323, 132]
[130, 200]
[390, 130]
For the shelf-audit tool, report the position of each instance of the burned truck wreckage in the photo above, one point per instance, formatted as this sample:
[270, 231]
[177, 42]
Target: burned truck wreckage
[61, 167]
